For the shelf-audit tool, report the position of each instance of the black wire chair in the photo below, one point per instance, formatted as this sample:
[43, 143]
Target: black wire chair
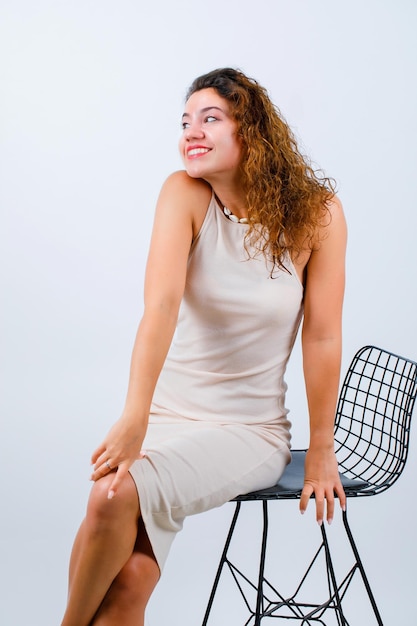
[372, 428]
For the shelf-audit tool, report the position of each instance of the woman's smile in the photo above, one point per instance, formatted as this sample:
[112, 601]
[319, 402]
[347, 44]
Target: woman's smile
[196, 151]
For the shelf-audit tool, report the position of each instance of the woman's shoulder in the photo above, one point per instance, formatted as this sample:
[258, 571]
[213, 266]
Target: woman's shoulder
[185, 197]
[188, 189]
[336, 225]
[332, 235]
[331, 232]
[335, 207]
[331, 221]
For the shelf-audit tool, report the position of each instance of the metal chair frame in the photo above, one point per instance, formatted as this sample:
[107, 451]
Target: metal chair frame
[372, 429]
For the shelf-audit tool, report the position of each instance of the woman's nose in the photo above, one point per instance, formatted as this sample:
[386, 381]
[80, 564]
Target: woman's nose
[194, 131]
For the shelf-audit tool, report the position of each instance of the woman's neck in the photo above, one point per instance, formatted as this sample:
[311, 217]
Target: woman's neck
[231, 197]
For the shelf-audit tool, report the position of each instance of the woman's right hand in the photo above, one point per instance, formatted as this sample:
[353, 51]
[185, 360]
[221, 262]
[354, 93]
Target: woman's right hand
[118, 451]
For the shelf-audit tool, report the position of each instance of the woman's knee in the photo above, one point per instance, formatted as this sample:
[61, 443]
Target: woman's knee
[126, 600]
[137, 580]
[102, 511]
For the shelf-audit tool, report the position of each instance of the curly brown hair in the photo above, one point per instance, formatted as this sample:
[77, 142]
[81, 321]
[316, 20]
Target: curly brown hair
[285, 195]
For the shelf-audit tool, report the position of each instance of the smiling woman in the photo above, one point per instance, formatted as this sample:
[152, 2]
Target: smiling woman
[233, 285]
[210, 145]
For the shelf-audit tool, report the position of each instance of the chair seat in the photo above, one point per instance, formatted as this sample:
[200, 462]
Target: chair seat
[291, 483]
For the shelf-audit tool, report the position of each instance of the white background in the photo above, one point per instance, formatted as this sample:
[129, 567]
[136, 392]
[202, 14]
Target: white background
[90, 102]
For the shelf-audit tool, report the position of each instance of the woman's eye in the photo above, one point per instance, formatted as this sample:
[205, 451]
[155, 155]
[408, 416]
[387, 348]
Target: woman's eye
[210, 118]
[184, 125]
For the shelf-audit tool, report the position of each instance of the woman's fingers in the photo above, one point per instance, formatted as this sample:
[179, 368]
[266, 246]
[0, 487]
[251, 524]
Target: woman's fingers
[322, 480]
[97, 453]
[105, 464]
[340, 492]
[104, 460]
[325, 501]
[308, 491]
[329, 507]
[306, 494]
[101, 468]
[119, 475]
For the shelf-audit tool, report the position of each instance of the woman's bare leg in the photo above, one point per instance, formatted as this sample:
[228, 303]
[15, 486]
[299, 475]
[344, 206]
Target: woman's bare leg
[76, 552]
[102, 547]
[129, 593]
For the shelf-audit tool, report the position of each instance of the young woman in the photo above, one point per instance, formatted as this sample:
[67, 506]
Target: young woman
[247, 241]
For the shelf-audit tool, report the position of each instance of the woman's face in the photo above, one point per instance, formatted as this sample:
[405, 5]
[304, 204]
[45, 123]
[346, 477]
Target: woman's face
[209, 145]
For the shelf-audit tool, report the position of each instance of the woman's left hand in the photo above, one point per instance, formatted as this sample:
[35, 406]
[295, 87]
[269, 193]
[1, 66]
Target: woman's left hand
[322, 479]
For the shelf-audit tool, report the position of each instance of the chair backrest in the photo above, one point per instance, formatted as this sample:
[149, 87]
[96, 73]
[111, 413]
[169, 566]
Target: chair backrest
[373, 417]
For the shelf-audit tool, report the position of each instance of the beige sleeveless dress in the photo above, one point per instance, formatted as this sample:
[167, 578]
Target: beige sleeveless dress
[218, 425]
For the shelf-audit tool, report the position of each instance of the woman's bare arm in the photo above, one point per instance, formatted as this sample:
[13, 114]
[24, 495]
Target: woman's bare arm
[180, 210]
[321, 344]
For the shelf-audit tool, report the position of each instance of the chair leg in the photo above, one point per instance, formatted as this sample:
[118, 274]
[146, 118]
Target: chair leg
[333, 586]
[360, 567]
[260, 591]
[223, 560]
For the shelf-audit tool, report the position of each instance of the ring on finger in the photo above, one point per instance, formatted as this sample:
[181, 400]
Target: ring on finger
[108, 465]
